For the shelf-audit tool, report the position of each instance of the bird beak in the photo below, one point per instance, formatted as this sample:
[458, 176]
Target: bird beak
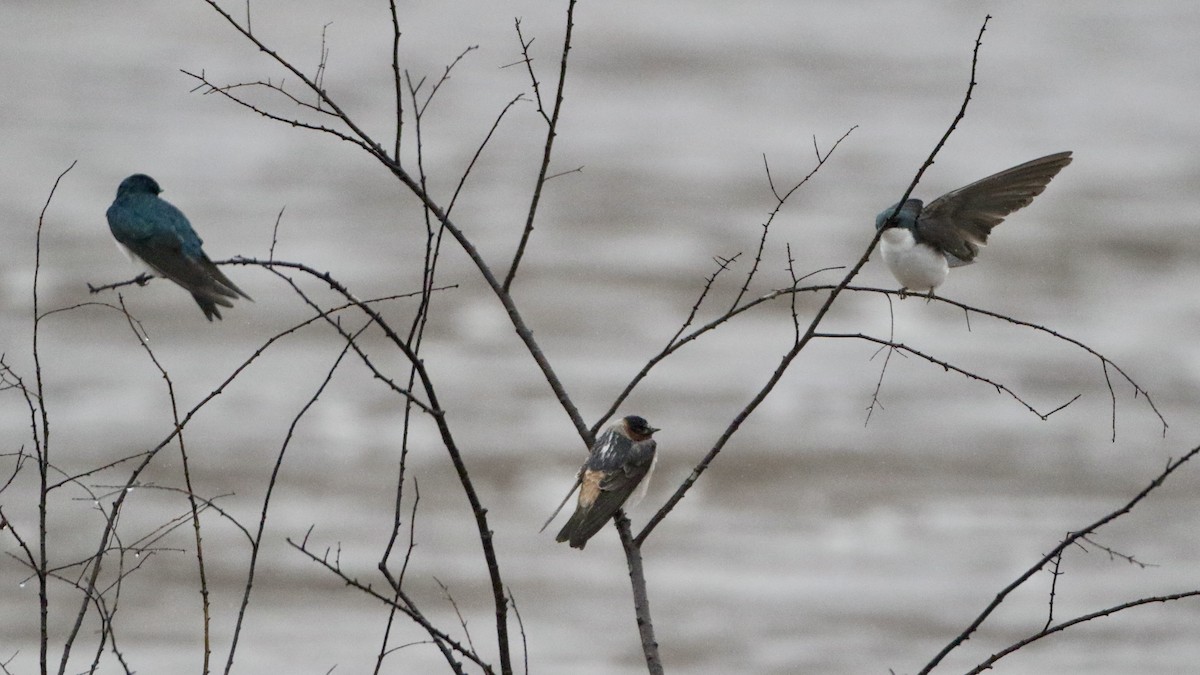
[652, 429]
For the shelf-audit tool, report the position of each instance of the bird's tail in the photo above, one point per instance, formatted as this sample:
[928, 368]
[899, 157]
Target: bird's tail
[223, 285]
[574, 530]
[209, 306]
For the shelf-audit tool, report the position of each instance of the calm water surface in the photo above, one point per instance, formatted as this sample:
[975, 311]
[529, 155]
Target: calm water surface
[816, 543]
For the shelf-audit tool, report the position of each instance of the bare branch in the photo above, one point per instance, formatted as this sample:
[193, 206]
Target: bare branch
[641, 599]
[990, 661]
[405, 606]
[139, 332]
[42, 445]
[1105, 362]
[949, 367]
[1047, 559]
[1113, 554]
[358, 136]
[479, 151]
[886, 360]
[962, 112]
[364, 141]
[397, 80]
[678, 342]
[779, 202]
[521, 627]
[140, 280]
[799, 345]
[551, 133]
[256, 541]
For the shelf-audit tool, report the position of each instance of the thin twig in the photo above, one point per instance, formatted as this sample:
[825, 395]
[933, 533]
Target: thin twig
[256, 542]
[799, 346]
[780, 200]
[140, 280]
[551, 133]
[360, 138]
[139, 333]
[988, 663]
[676, 342]
[438, 415]
[479, 151]
[521, 627]
[42, 445]
[1114, 554]
[950, 367]
[403, 607]
[397, 80]
[1070, 540]
[886, 360]
[1105, 362]
[453, 604]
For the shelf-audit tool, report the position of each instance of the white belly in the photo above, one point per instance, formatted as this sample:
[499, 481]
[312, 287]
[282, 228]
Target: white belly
[138, 264]
[639, 492]
[916, 266]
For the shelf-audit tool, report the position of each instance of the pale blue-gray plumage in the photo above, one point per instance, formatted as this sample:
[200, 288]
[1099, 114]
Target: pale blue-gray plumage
[921, 243]
[158, 234]
[621, 458]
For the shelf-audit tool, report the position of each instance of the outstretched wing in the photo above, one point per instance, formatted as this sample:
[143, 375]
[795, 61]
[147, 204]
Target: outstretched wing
[960, 221]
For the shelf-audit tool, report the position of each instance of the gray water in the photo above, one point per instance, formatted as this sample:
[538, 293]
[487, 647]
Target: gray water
[816, 543]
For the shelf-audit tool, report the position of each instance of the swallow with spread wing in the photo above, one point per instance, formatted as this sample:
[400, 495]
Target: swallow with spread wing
[921, 243]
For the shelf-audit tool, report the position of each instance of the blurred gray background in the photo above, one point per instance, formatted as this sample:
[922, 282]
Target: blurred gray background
[815, 544]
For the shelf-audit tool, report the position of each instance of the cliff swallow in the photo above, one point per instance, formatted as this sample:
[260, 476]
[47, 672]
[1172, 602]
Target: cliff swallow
[621, 459]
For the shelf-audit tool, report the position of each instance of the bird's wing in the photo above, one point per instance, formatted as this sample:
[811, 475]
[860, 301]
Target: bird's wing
[608, 490]
[159, 234]
[618, 485]
[960, 221]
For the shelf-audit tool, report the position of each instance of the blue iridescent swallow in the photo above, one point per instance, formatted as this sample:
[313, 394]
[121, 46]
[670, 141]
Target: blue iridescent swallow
[920, 245]
[621, 459]
[154, 231]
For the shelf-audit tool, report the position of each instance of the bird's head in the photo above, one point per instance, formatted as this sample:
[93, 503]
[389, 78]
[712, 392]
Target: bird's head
[638, 428]
[907, 217]
[138, 183]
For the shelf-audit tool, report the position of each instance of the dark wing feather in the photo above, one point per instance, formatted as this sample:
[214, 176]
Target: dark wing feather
[207, 284]
[960, 221]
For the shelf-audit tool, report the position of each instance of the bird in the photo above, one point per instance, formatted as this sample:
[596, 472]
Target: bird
[921, 243]
[152, 230]
[621, 459]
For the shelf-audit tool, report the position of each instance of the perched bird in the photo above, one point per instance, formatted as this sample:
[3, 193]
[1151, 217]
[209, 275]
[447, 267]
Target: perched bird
[622, 458]
[919, 244]
[155, 232]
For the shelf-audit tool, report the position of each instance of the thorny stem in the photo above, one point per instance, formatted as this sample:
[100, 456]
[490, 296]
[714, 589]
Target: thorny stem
[187, 478]
[43, 447]
[439, 417]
